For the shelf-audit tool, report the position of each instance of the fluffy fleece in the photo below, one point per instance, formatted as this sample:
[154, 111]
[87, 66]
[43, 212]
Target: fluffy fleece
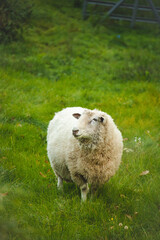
[84, 146]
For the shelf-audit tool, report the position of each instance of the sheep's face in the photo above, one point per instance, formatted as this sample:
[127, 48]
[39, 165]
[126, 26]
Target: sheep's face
[88, 126]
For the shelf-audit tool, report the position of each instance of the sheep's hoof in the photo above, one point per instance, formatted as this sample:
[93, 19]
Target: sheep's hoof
[84, 192]
[60, 184]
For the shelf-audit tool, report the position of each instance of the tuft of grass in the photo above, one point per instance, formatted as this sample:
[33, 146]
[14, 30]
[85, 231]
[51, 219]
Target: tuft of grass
[64, 61]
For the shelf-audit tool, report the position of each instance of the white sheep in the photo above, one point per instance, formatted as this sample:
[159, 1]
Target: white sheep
[84, 146]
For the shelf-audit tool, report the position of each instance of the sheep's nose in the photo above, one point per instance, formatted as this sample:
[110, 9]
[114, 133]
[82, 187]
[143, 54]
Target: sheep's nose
[75, 131]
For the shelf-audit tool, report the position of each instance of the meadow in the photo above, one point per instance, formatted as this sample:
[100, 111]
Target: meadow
[64, 61]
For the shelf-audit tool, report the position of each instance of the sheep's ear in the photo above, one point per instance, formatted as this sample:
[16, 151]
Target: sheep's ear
[76, 115]
[101, 119]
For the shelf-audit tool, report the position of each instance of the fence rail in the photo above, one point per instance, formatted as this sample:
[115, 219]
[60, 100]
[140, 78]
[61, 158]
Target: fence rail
[122, 4]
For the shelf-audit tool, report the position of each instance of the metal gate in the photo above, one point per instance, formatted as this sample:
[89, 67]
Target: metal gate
[150, 7]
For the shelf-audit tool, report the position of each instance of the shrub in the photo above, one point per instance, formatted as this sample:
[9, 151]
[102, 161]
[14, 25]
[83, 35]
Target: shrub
[14, 14]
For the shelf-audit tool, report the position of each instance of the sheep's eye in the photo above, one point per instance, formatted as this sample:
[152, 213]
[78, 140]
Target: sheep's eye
[94, 119]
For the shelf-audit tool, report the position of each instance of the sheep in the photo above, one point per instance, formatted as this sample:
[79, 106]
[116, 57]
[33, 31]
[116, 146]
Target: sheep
[85, 147]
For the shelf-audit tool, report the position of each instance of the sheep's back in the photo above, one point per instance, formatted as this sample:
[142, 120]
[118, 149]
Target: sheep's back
[60, 138]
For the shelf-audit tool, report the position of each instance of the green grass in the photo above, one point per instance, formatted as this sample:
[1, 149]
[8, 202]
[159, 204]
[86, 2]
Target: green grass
[64, 61]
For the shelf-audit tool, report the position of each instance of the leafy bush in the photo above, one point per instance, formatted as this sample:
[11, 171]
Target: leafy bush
[14, 14]
[78, 3]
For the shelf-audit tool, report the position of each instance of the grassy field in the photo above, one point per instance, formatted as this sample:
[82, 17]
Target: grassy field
[65, 61]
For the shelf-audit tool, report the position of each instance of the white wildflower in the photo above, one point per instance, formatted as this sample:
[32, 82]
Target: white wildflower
[138, 140]
[128, 150]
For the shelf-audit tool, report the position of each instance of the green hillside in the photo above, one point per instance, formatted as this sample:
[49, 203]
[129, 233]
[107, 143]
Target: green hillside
[63, 61]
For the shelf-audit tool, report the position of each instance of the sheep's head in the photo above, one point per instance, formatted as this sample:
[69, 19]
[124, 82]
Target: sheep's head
[88, 127]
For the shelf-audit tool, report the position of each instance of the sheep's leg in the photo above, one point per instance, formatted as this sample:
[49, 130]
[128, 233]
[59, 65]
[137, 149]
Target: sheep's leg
[60, 183]
[84, 190]
[93, 191]
[82, 183]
